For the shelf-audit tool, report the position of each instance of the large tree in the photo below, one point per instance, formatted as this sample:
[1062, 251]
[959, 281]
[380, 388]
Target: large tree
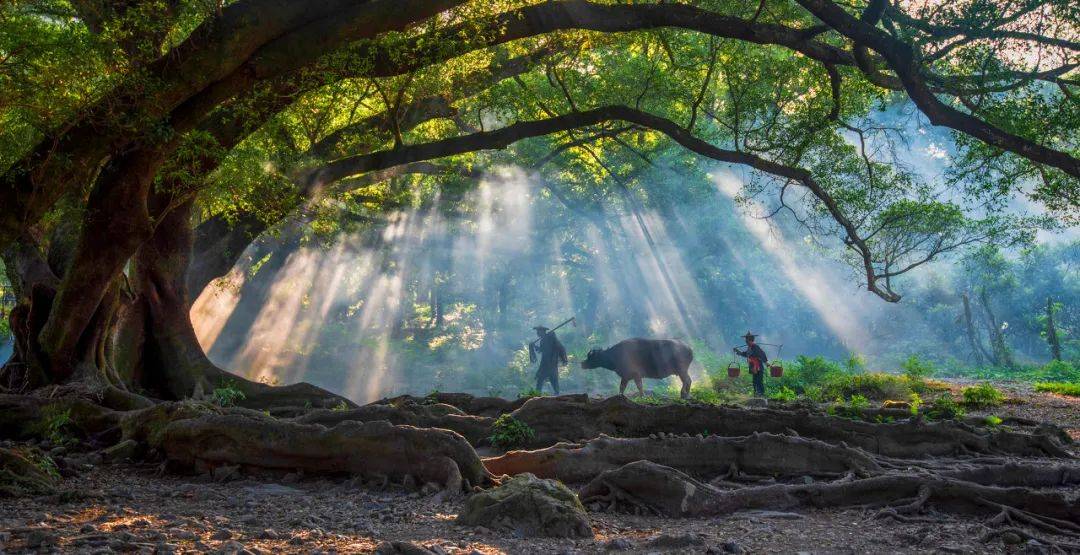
[113, 176]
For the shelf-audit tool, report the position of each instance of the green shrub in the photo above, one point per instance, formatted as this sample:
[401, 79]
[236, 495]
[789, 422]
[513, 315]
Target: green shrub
[877, 385]
[916, 401]
[853, 408]
[945, 408]
[916, 369]
[993, 421]
[342, 406]
[783, 394]
[227, 394]
[1061, 388]
[55, 425]
[1059, 371]
[510, 432]
[529, 393]
[982, 396]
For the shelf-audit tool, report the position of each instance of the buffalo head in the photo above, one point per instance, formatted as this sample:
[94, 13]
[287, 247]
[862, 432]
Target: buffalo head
[595, 359]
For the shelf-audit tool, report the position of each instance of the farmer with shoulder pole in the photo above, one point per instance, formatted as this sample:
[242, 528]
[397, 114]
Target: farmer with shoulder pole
[552, 354]
[756, 359]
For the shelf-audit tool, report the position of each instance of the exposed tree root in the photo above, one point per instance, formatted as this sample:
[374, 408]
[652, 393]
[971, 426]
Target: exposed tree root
[27, 416]
[469, 404]
[558, 419]
[372, 448]
[260, 396]
[670, 492]
[1025, 535]
[474, 428]
[757, 454]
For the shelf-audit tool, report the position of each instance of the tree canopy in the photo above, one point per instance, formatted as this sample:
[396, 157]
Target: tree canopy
[147, 143]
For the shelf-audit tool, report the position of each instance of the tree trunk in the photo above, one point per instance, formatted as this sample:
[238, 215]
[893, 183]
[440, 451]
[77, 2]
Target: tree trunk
[1002, 356]
[977, 350]
[1051, 331]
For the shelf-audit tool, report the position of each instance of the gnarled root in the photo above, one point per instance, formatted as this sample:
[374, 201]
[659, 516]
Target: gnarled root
[674, 493]
[473, 428]
[350, 447]
[760, 454]
[553, 418]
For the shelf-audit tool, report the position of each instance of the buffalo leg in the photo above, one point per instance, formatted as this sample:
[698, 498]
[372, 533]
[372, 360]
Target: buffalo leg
[640, 389]
[685, 394]
[622, 386]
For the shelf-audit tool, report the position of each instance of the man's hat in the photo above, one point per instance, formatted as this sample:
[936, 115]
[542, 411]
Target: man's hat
[749, 336]
[540, 328]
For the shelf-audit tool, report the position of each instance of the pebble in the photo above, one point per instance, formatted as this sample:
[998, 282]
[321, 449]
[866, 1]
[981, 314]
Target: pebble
[40, 538]
[619, 544]
[731, 547]
[221, 535]
[1011, 538]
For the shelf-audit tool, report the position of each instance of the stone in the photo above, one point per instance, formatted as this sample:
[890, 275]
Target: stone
[40, 538]
[269, 534]
[528, 506]
[731, 547]
[1011, 538]
[618, 544]
[122, 451]
[221, 534]
[668, 541]
[401, 548]
[225, 473]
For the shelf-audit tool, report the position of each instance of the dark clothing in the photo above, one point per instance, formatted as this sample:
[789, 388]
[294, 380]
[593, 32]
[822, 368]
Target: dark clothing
[552, 353]
[755, 355]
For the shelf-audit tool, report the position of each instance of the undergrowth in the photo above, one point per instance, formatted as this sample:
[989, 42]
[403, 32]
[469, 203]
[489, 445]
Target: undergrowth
[227, 394]
[1061, 388]
[508, 432]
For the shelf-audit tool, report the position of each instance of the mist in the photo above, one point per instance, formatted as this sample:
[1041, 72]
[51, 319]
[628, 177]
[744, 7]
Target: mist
[443, 295]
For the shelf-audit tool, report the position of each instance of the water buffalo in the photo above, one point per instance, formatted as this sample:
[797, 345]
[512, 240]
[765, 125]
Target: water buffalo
[637, 358]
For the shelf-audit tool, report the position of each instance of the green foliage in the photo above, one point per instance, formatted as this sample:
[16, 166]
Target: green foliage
[529, 393]
[945, 408]
[916, 369]
[852, 408]
[783, 394]
[227, 394]
[982, 396]
[342, 406]
[993, 421]
[877, 385]
[1061, 388]
[915, 400]
[508, 432]
[1059, 371]
[55, 425]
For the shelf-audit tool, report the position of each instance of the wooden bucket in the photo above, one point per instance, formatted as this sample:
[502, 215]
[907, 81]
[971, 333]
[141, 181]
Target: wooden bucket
[776, 370]
[733, 370]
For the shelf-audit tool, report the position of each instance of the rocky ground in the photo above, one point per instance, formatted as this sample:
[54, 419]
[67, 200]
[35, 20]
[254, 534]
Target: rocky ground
[106, 507]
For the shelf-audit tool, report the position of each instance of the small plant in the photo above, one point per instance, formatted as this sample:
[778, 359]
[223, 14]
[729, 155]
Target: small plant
[784, 395]
[993, 421]
[529, 393]
[510, 432]
[945, 408]
[227, 394]
[859, 403]
[916, 369]
[982, 396]
[915, 401]
[342, 406]
[1061, 388]
[55, 425]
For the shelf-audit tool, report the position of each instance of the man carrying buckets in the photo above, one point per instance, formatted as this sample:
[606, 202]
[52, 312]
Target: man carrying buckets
[757, 360]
